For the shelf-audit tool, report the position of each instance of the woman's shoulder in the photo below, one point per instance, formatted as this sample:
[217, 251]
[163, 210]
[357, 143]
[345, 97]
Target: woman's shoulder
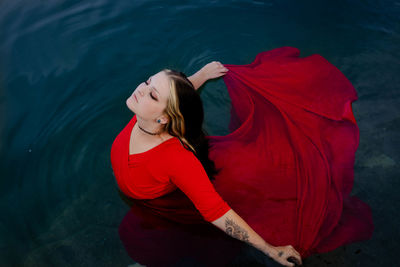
[175, 145]
[174, 152]
[179, 162]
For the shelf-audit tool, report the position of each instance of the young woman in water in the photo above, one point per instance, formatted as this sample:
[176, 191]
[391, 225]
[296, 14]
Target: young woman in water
[169, 117]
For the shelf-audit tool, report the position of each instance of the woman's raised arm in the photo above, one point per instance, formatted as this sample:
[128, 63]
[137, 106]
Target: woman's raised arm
[232, 224]
[212, 70]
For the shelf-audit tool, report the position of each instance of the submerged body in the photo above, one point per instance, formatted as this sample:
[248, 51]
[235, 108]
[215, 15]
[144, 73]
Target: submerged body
[163, 169]
[287, 164]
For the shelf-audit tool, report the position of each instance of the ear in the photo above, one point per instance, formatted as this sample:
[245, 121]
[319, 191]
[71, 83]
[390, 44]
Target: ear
[163, 119]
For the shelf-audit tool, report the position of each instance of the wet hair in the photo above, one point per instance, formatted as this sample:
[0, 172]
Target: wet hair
[186, 115]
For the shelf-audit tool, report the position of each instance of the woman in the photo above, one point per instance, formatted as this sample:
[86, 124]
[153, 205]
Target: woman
[286, 166]
[168, 124]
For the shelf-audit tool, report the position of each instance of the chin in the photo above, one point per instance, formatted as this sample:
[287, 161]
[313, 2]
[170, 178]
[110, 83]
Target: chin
[129, 104]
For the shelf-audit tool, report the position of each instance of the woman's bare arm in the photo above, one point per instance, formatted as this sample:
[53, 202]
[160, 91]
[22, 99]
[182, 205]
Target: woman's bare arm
[232, 224]
[212, 70]
[198, 79]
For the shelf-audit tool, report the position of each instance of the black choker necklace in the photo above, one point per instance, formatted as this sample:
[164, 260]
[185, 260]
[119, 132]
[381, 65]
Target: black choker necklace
[148, 132]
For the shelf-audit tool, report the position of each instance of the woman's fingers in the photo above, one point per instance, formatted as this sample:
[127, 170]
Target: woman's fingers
[219, 64]
[222, 66]
[214, 69]
[291, 261]
[298, 257]
[295, 259]
[296, 254]
[287, 256]
[224, 70]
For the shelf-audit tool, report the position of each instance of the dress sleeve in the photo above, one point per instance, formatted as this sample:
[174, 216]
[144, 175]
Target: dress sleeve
[188, 174]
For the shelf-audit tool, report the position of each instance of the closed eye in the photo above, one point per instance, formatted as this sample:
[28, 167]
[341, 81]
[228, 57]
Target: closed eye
[151, 95]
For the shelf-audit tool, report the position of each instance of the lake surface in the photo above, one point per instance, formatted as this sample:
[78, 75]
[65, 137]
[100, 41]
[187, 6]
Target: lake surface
[67, 67]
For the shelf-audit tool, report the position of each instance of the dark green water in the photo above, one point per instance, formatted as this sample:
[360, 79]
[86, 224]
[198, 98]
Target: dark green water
[67, 67]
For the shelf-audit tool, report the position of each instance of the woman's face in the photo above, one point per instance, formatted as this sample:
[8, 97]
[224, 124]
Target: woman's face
[150, 100]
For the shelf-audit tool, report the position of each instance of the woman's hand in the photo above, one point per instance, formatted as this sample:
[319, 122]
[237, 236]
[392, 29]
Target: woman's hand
[213, 70]
[283, 254]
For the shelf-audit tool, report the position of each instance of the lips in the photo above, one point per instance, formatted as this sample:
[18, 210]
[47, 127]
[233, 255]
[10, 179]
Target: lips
[135, 97]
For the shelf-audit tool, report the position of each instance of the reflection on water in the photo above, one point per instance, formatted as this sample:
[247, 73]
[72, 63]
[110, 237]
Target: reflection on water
[155, 237]
[66, 68]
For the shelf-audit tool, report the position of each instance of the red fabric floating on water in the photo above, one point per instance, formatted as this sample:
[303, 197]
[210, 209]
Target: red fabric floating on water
[287, 167]
[288, 163]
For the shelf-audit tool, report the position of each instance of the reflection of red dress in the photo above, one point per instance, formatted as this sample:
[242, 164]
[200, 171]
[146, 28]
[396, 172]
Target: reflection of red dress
[287, 165]
[288, 162]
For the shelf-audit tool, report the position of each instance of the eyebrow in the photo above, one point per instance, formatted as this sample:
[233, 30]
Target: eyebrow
[154, 87]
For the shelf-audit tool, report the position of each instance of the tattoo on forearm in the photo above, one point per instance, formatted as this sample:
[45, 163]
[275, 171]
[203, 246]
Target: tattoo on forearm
[234, 230]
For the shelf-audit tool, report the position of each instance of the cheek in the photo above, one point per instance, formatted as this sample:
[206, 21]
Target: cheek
[152, 107]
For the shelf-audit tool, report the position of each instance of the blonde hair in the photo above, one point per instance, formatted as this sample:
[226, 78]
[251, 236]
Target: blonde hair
[176, 123]
[186, 116]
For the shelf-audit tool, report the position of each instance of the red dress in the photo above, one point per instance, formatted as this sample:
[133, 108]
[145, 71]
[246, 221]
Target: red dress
[162, 170]
[288, 162]
[172, 202]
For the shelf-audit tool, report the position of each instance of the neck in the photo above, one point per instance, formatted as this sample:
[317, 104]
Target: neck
[149, 126]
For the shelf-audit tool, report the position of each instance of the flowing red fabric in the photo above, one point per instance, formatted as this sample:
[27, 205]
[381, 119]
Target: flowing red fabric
[287, 167]
[288, 163]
